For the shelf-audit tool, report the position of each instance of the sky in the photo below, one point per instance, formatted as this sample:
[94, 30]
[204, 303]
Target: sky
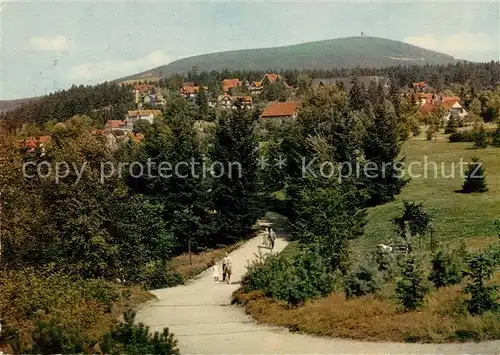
[50, 45]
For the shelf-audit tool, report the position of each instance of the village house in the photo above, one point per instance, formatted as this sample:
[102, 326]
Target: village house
[228, 84]
[148, 115]
[280, 111]
[117, 125]
[227, 101]
[346, 82]
[420, 86]
[451, 105]
[269, 78]
[189, 90]
[36, 143]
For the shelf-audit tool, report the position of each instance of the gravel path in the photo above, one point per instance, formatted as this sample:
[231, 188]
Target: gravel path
[204, 322]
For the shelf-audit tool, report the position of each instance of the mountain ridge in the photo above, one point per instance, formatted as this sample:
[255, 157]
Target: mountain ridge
[346, 52]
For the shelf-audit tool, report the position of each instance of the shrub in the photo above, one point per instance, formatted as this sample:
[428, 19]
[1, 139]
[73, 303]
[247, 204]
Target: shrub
[411, 289]
[362, 281]
[467, 136]
[482, 297]
[386, 264]
[495, 139]
[53, 338]
[293, 280]
[452, 124]
[102, 291]
[445, 270]
[475, 180]
[135, 339]
[157, 275]
[480, 138]
[430, 133]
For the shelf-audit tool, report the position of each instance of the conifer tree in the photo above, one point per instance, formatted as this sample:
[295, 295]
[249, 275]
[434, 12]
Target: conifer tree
[475, 178]
[411, 289]
[235, 194]
[381, 149]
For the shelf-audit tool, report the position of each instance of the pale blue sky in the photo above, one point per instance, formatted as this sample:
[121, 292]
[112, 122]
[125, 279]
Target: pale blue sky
[51, 45]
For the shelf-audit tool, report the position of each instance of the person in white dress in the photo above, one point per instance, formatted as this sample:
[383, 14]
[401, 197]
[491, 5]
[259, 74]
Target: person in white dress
[215, 272]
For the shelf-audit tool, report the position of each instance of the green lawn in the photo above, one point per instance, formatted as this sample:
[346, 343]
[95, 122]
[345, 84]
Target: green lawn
[456, 215]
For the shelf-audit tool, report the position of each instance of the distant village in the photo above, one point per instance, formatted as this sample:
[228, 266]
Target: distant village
[150, 99]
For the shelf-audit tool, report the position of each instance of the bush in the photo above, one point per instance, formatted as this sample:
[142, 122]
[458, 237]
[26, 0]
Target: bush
[483, 298]
[495, 139]
[103, 292]
[135, 339]
[411, 289]
[475, 179]
[51, 337]
[386, 264]
[157, 275]
[480, 138]
[293, 280]
[363, 281]
[466, 136]
[445, 270]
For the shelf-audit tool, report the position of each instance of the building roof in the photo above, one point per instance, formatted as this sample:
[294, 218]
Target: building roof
[33, 142]
[136, 113]
[228, 84]
[420, 84]
[325, 81]
[115, 124]
[281, 109]
[143, 87]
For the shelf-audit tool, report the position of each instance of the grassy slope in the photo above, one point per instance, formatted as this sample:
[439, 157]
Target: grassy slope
[341, 52]
[377, 317]
[456, 215]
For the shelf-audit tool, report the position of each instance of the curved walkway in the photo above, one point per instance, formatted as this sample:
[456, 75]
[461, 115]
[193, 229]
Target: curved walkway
[204, 322]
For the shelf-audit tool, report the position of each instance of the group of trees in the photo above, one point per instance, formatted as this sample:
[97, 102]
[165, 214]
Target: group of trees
[101, 102]
[106, 217]
[477, 76]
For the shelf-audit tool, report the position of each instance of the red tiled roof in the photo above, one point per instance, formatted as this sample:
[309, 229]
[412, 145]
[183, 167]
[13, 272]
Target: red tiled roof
[420, 84]
[281, 109]
[228, 84]
[143, 87]
[427, 108]
[115, 123]
[272, 77]
[35, 142]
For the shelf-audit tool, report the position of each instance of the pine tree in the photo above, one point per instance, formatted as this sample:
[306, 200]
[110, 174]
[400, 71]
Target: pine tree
[475, 179]
[381, 147]
[480, 138]
[452, 124]
[202, 103]
[357, 95]
[445, 270]
[235, 193]
[483, 297]
[411, 289]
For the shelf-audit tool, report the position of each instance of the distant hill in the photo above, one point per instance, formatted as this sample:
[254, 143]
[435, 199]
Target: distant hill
[9, 105]
[336, 53]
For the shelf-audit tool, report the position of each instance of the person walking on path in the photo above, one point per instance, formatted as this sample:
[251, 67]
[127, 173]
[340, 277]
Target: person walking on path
[265, 237]
[227, 268]
[272, 238]
[215, 272]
